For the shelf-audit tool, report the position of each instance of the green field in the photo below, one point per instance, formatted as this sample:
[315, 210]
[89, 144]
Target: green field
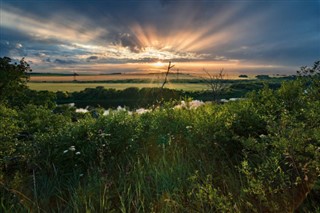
[72, 87]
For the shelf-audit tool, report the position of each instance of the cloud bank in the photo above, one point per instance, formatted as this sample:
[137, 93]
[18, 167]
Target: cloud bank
[106, 35]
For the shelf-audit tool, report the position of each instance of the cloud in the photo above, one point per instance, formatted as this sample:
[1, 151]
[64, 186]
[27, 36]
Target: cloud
[46, 60]
[127, 40]
[18, 46]
[92, 58]
[62, 61]
[71, 28]
[67, 33]
[12, 49]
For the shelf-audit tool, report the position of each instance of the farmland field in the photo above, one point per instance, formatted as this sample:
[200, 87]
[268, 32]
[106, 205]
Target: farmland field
[117, 81]
[72, 87]
[151, 77]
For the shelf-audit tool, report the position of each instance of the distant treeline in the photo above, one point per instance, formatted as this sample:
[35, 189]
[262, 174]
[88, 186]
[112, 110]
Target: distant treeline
[67, 74]
[146, 97]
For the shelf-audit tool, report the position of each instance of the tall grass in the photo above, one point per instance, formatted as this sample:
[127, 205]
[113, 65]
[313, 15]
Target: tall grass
[254, 155]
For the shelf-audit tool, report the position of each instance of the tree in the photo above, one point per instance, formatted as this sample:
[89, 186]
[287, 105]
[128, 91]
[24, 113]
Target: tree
[243, 76]
[75, 76]
[262, 77]
[13, 77]
[310, 71]
[215, 83]
[311, 77]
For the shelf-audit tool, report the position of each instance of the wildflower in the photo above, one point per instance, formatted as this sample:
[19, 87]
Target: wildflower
[81, 175]
[180, 106]
[78, 153]
[188, 127]
[72, 148]
[81, 110]
[195, 104]
[65, 151]
[119, 108]
[262, 136]
[142, 110]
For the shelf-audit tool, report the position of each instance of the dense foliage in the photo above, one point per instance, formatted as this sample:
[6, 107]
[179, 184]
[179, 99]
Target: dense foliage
[260, 154]
[13, 86]
[13, 78]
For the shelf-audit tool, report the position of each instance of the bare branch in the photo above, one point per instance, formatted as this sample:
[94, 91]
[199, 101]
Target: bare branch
[167, 73]
[215, 83]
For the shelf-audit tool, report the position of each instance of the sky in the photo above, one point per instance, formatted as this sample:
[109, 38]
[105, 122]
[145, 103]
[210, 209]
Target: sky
[108, 36]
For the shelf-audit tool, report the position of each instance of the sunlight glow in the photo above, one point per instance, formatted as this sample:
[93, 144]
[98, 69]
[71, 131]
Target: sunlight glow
[158, 64]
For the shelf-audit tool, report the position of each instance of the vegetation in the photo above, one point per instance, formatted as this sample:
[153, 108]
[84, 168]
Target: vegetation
[13, 78]
[263, 77]
[260, 154]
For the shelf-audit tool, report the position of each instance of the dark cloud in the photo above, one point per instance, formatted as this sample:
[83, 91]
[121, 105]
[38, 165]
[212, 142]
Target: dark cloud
[47, 60]
[62, 61]
[12, 49]
[127, 40]
[92, 58]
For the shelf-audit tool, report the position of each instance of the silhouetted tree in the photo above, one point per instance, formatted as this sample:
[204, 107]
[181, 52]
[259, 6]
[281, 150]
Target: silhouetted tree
[311, 76]
[215, 83]
[13, 77]
[75, 76]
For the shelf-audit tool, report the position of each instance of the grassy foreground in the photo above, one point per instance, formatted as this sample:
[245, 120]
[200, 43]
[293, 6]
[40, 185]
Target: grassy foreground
[256, 155]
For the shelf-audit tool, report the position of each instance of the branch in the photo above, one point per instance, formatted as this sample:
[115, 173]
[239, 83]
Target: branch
[167, 73]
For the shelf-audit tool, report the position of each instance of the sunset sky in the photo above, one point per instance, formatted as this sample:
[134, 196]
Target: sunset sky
[241, 36]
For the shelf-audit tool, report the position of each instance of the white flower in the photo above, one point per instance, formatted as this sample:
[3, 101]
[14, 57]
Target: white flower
[262, 136]
[188, 127]
[78, 153]
[65, 151]
[142, 110]
[72, 148]
[195, 104]
[80, 175]
[81, 110]
[189, 105]
[119, 108]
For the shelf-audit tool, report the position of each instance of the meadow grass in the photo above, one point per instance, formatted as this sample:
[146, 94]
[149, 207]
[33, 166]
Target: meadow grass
[260, 154]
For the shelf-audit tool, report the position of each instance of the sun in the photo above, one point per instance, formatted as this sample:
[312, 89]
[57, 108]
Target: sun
[158, 64]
